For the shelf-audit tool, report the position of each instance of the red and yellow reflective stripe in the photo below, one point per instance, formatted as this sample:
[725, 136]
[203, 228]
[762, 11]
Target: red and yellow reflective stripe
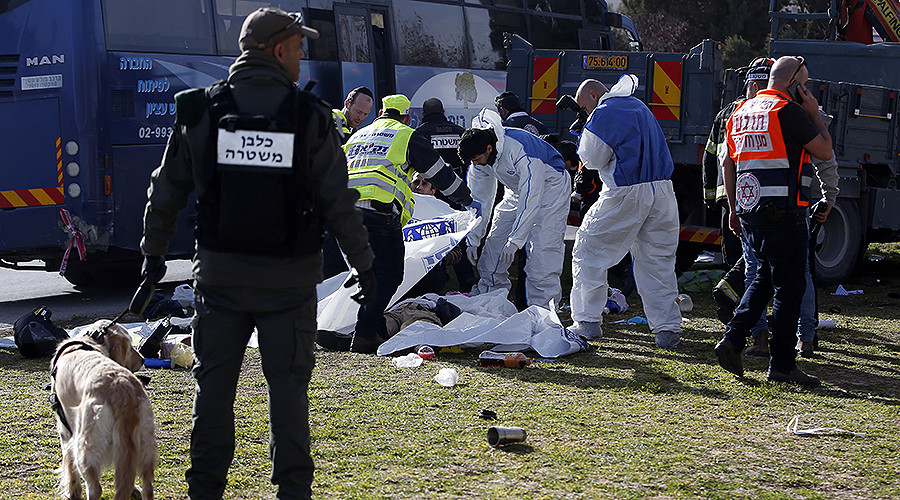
[666, 102]
[545, 85]
[40, 196]
[699, 234]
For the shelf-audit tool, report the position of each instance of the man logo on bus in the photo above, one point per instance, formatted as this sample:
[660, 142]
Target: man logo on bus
[747, 191]
[45, 60]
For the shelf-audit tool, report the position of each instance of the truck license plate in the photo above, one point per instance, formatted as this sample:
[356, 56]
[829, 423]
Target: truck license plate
[593, 61]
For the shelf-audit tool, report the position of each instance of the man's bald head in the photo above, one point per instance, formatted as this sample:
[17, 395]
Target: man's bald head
[785, 70]
[589, 93]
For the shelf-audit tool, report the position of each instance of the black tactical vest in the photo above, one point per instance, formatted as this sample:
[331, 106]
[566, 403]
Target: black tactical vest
[260, 201]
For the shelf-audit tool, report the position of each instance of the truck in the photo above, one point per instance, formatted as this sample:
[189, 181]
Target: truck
[683, 90]
[855, 83]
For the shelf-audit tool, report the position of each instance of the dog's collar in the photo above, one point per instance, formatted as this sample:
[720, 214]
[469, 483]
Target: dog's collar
[77, 345]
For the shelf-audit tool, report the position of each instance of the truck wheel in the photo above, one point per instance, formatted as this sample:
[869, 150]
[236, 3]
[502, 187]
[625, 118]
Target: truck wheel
[839, 244]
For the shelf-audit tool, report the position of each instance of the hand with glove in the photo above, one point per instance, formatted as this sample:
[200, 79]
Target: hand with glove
[475, 206]
[508, 254]
[472, 253]
[154, 268]
[152, 272]
[367, 285]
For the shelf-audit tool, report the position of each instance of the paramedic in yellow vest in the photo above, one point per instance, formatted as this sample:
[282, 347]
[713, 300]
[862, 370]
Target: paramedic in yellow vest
[767, 178]
[381, 161]
[357, 107]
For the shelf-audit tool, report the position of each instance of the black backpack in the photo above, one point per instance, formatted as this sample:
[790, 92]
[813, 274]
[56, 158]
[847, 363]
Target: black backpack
[36, 336]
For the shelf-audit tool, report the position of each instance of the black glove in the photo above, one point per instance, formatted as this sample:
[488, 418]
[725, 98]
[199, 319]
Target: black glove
[367, 284]
[154, 267]
[152, 272]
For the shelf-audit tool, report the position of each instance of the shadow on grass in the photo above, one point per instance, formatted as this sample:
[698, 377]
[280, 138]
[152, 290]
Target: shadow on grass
[10, 359]
[516, 448]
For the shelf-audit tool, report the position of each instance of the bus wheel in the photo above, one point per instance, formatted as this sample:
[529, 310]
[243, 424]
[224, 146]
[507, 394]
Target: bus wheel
[839, 244]
[114, 268]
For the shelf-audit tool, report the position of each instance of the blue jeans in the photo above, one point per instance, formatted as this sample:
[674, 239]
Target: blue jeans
[386, 240]
[780, 246]
[751, 266]
[808, 323]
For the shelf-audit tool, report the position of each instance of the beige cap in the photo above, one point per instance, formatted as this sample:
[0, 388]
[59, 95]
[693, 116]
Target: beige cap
[267, 26]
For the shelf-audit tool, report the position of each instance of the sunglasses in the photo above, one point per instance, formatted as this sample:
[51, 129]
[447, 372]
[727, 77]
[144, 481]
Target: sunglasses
[296, 18]
[802, 62]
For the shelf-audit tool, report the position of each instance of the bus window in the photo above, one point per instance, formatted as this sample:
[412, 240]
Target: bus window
[554, 32]
[430, 34]
[325, 48]
[230, 16]
[354, 37]
[168, 26]
[486, 29]
[571, 7]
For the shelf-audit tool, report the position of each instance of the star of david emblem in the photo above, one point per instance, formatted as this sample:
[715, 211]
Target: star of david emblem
[747, 188]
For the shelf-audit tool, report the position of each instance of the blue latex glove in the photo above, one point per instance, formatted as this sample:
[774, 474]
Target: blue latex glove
[508, 254]
[476, 206]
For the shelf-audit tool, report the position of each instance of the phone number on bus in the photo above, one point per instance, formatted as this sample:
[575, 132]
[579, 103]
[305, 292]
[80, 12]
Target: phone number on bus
[154, 132]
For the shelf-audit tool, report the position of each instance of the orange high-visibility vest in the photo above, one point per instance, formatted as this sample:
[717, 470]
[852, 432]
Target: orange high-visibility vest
[756, 144]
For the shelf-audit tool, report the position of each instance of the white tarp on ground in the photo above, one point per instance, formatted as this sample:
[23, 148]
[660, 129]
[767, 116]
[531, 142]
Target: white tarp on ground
[491, 318]
[435, 231]
[486, 319]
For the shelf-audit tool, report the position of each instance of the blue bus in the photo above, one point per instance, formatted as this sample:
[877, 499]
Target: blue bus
[87, 97]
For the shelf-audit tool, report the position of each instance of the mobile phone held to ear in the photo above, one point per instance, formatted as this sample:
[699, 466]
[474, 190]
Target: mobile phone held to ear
[794, 92]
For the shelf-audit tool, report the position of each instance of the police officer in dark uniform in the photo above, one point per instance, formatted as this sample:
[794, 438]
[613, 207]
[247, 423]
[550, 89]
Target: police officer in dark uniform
[444, 137]
[510, 109]
[262, 196]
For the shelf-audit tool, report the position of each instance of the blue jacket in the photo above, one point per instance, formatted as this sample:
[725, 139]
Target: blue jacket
[623, 141]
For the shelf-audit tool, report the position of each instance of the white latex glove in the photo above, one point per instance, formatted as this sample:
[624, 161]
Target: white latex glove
[508, 254]
[472, 254]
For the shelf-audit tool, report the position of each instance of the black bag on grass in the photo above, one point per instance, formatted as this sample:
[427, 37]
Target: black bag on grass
[36, 336]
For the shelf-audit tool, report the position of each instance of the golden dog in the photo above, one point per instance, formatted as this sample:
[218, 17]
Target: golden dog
[104, 416]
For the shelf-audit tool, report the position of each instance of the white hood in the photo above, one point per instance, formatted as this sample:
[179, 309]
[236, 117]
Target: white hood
[490, 119]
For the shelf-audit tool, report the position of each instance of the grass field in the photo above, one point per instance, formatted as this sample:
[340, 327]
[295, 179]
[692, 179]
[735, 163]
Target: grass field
[625, 420]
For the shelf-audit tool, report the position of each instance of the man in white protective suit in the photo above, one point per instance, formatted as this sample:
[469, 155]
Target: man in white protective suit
[531, 215]
[636, 211]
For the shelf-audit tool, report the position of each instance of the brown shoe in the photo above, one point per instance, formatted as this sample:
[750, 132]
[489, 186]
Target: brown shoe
[806, 349]
[729, 357]
[795, 376]
[365, 345]
[760, 345]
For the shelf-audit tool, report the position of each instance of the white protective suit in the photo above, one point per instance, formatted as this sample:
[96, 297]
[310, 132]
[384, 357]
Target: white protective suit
[636, 211]
[531, 215]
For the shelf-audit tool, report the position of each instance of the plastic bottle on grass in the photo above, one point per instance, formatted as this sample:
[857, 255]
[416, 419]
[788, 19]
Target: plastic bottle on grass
[507, 359]
[157, 363]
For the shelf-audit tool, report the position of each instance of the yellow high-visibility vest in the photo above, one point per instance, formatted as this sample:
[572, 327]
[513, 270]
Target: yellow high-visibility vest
[377, 165]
